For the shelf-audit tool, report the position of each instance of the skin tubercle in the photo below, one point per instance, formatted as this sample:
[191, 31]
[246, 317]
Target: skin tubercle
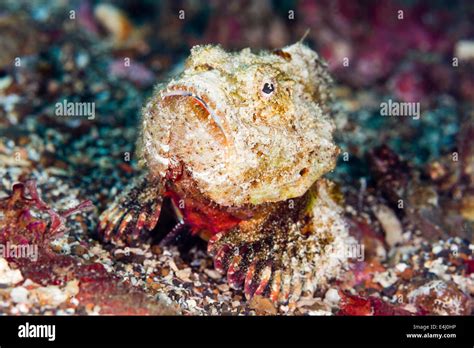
[274, 131]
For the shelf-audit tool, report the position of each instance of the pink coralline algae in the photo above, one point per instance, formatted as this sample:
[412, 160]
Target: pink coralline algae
[19, 224]
[360, 306]
[366, 45]
[97, 288]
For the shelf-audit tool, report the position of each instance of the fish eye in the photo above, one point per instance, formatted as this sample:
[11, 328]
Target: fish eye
[268, 88]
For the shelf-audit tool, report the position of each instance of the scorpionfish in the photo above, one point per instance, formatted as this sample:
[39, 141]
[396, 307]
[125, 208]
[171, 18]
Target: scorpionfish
[238, 143]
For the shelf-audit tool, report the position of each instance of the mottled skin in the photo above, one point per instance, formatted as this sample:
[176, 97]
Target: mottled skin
[239, 142]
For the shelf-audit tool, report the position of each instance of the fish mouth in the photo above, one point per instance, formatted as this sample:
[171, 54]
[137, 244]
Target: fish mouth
[203, 102]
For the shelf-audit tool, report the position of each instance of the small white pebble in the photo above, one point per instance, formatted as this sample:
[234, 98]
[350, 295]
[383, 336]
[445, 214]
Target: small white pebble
[437, 249]
[23, 308]
[9, 276]
[319, 312]
[213, 274]
[332, 296]
[386, 279]
[191, 303]
[19, 294]
[401, 267]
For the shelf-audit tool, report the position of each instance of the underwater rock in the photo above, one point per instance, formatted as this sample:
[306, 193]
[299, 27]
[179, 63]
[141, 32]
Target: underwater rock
[440, 298]
[9, 276]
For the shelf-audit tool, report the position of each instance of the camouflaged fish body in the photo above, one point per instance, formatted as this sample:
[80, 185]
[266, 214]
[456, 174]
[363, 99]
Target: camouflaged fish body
[239, 142]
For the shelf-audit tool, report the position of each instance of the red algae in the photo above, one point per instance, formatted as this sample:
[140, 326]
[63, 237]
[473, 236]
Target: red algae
[19, 223]
[360, 306]
[99, 291]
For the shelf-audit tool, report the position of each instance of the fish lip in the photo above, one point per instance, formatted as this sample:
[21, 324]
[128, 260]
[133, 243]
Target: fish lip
[183, 92]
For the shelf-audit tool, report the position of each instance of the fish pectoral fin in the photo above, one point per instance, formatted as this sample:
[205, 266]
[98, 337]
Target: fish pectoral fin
[286, 254]
[134, 213]
[254, 259]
